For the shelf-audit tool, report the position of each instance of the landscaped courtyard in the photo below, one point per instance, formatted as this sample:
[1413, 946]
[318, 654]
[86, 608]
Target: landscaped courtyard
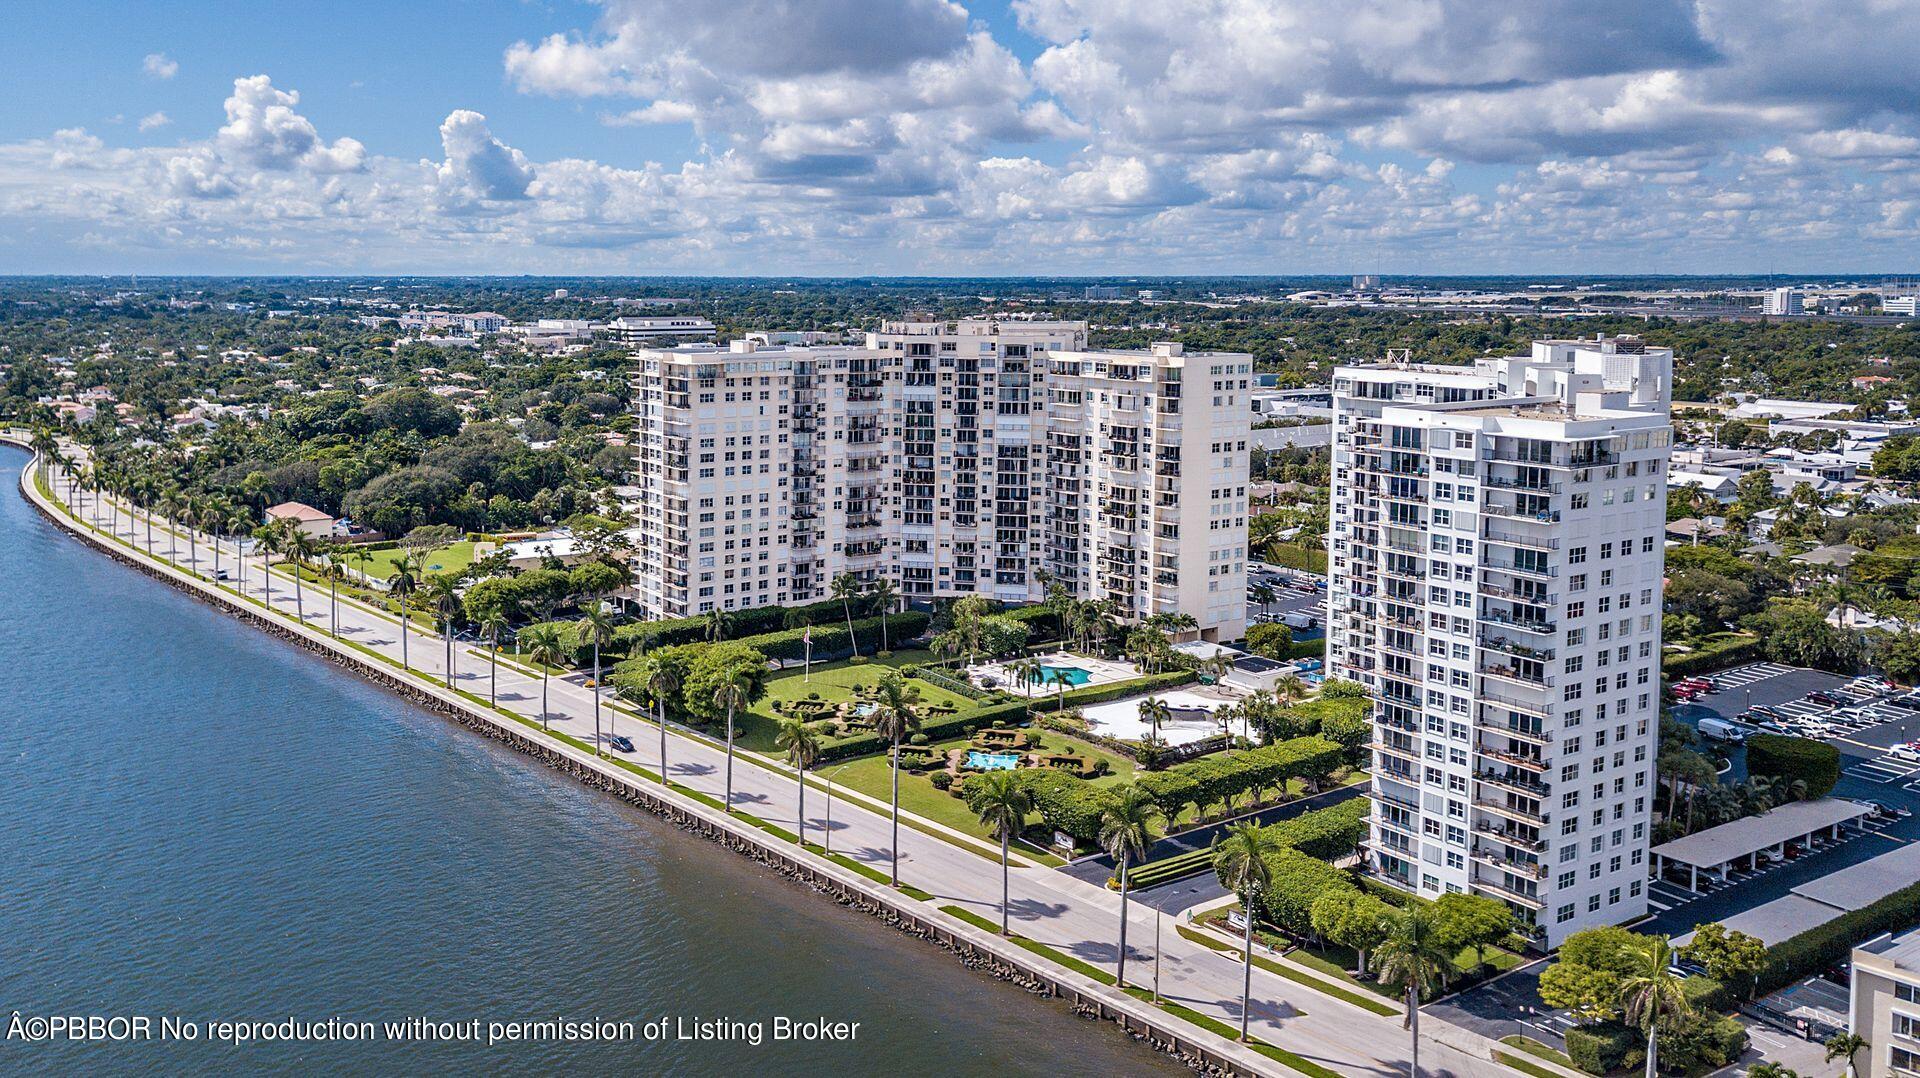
[379, 564]
[832, 687]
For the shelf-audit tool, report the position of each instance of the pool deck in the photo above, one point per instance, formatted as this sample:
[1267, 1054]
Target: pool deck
[1099, 672]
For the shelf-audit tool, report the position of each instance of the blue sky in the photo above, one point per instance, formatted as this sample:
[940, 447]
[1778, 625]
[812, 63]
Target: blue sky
[924, 136]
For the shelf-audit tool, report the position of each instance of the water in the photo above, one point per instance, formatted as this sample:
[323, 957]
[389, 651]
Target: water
[1074, 675]
[204, 822]
[993, 761]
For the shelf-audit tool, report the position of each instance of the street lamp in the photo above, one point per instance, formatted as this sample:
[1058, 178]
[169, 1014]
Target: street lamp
[826, 844]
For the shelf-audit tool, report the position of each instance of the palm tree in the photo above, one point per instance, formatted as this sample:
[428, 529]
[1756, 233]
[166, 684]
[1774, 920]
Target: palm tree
[894, 718]
[543, 648]
[1769, 1069]
[662, 682]
[594, 629]
[267, 538]
[1061, 679]
[1126, 830]
[1240, 861]
[733, 693]
[170, 506]
[1002, 802]
[491, 626]
[192, 511]
[406, 578]
[846, 588]
[1413, 957]
[883, 594]
[802, 743]
[1652, 994]
[443, 593]
[336, 562]
[718, 622]
[1846, 1045]
[299, 547]
[1264, 595]
[1153, 712]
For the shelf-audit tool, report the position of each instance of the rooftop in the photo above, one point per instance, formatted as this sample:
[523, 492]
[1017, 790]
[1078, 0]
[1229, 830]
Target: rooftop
[1751, 834]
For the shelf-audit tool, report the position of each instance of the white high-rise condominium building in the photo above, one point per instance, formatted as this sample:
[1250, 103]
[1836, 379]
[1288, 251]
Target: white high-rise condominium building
[1496, 559]
[973, 456]
[1783, 301]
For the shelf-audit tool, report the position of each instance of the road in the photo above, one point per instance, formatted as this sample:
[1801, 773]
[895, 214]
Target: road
[1071, 915]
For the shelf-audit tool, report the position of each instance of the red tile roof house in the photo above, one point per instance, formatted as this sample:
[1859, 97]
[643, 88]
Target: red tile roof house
[305, 517]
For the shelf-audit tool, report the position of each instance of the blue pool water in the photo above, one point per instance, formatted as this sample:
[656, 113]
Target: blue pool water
[993, 761]
[1075, 675]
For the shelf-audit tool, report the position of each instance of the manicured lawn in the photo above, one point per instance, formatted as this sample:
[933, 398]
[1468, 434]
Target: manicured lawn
[446, 560]
[834, 682]
[873, 776]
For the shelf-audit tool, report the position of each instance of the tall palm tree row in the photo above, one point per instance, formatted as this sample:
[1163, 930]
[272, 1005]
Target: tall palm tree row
[1652, 995]
[541, 644]
[1414, 958]
[846, 588]
[491, 627]
[443, 594]
[733, 694]
[895, 718]
[802, 744]
[883, 595]
[595, 630]
[1126, 830]
[1001, 801]
[1240, 862]
[663, 683]
[402, 584]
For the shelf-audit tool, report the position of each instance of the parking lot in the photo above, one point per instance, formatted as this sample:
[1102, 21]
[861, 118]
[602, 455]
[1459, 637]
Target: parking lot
[1870, 733]
[1294, 593]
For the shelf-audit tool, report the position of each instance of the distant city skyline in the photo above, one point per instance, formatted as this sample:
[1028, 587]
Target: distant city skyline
[908, 137]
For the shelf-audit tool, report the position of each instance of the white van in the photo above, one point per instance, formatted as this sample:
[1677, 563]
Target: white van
[1721, 730]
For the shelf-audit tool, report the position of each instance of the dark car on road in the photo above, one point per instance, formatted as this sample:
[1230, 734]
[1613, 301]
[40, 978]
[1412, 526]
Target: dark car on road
[1910, 702]
[621, 742]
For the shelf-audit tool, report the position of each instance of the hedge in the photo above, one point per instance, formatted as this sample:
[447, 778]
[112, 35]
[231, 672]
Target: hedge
[1714, 655]
[1218, 779]
[789, 645]
[1066, 803]
[954, 685]
[1011, 713]
[1040, 622]
[1328, 834]
[1795, 758]
[1604, 1047]
[1828, 944]
[757, 621]
[1296, 882]
[1295, 556]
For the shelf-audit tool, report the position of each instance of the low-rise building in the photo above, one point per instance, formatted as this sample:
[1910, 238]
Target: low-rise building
[1884, 1004]
[303, 516]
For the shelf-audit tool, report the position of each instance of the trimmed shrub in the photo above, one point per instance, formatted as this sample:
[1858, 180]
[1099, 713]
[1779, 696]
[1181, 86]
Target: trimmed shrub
[1217, 779]
[1706, 994]
[1795, 758]
[789, 645]
[1714, 654]
[1825, 945]
[957, 686]
[1604, 1047]
[1297, 882]
[1328, 834]
[1066, 803]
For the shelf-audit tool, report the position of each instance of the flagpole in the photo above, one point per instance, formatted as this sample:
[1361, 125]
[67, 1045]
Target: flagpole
[807, 637]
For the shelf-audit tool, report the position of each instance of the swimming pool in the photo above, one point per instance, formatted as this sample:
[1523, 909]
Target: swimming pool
[1075, 675]
[993, 761]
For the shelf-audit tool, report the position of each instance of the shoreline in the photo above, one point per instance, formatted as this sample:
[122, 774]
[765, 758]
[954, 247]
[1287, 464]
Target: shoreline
[976, 949]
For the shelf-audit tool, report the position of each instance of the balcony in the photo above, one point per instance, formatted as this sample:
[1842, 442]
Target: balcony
[1502, 891]
[1517, 676]
[1544, 516]
[1510, 780]
[1514, 568]
[1388, 823]
[1525, 707]
[1531, 598]
[1531, 763]
[1512, 647]
[1507, 863]
[1531, 817]
[1401, 751]
[1528, 541]
[1515, 731]
[1525, 625]
[1380, 795]
[1527, 485]
[1509, 837]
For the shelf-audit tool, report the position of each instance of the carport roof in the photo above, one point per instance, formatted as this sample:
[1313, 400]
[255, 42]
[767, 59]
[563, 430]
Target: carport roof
[1869, 881]
[1751, 834]
[1781, 919]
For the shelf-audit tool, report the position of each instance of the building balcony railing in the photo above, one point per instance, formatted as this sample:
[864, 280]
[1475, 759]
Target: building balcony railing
[1407, 803]
[1503, 891]
[1517, 676]
[1512, 812]
[1513, 595]
[1515, 759]
[1514, 568]
[1510, 837]
[1525, 625]
[1514, 647]
[1382, 820]
[1513, 780]
[1507, 863]
[1510, 483]
[1504, 728]
[1530, 542]
[1544, 516]
[1394, 750]
[1536, 708]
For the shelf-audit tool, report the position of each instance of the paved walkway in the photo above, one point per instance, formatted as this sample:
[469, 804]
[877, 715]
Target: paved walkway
[1073, 916]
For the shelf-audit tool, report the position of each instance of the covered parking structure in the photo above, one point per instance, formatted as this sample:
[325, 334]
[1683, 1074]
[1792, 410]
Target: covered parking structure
[1818, 901]
[1718, 849]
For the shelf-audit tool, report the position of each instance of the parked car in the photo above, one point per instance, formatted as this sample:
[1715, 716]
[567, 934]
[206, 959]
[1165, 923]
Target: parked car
[621, 742]
[1908, 702]
[1908, 751]
[1722, 730]
[1766, 711]
[1696, 684]
[1820, 697]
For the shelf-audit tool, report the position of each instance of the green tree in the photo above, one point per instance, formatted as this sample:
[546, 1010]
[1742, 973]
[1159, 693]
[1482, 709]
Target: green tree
[1475, 921]
[595, 630]
[1729, 956]
[492, 627]
[1414, 959]
[894, 718]
[1847, 1046]
[1651, 995]
[1126, 830]
[846, 588]
[402, 584]
[802, 745]
[1353, 919]
[443, 595]
[543, 648]
[1240, 863]
[1001, 801]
